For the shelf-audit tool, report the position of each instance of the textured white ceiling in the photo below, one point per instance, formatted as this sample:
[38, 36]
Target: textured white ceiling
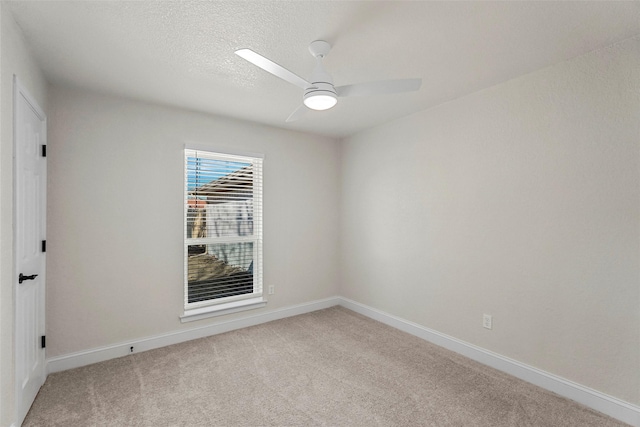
[181, 52]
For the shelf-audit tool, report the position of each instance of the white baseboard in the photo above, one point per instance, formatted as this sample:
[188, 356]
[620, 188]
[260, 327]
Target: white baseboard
[616, 408]
[100, 354]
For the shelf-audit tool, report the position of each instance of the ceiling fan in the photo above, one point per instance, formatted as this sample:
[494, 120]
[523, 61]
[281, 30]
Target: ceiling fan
[319, 91]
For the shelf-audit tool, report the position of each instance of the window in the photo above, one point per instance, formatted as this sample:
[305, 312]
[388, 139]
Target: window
[223, 233]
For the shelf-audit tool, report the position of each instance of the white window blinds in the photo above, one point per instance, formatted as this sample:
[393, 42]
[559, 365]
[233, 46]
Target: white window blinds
[223, 228]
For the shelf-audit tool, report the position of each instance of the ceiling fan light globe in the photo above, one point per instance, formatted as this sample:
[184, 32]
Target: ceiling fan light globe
[320, 101]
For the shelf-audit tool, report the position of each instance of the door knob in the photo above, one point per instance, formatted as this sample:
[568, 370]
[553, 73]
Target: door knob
[22, 277]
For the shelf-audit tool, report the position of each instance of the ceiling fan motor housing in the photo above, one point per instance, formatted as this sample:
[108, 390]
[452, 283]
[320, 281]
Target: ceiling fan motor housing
[322, 95]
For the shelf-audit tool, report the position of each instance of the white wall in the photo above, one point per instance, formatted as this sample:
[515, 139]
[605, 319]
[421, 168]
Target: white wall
[521, 201]
[115, 219]
[15, 59]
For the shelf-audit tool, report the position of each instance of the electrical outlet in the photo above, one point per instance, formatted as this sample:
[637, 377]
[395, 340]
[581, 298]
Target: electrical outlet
[487, 321]
[272, 290]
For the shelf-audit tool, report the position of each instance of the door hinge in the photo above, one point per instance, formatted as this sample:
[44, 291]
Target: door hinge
[43, 341]
[44, 246]
[44, 150]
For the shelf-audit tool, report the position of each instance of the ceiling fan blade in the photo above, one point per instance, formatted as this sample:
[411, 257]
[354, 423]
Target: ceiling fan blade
[272, 67]
[299, 112]
[380, 87]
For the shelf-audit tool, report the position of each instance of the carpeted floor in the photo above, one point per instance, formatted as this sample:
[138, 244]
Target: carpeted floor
[328, 368]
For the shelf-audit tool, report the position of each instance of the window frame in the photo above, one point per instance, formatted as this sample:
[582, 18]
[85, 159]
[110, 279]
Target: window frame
[225, 305]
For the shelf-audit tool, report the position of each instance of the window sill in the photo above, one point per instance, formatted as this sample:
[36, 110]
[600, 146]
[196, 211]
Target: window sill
[222, 309]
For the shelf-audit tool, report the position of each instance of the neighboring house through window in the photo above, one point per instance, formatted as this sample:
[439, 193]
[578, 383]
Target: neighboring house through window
[223, 233]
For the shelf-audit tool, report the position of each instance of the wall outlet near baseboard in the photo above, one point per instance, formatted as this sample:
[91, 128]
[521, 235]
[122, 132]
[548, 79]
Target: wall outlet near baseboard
[272, 289]
[487, 321]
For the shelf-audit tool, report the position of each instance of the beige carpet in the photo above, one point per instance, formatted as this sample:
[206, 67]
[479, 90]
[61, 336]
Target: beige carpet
[331, 367]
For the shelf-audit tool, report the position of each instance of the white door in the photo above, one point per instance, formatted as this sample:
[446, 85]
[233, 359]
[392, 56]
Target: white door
[30, 183]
